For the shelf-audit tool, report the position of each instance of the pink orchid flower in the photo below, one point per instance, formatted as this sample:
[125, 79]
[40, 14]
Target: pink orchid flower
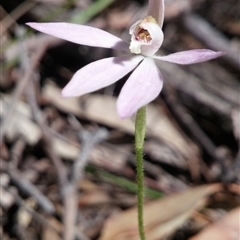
[146, 81]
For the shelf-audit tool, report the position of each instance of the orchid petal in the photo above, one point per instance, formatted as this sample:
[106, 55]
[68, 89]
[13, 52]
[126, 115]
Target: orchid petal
[156, 10]
[147, 37]
[190, 57]
[100, 74]
[143, 86]
[81, 34]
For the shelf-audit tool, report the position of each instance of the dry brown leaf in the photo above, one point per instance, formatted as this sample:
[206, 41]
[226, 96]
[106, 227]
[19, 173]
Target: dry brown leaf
[88, 186]
[234, 188]
[6, 199]
[227, 228]
[24, 217]
[65, 149]
[49, 233]
[94, 198]
[101, 156]
[105, 156]
[161, 152]
[162, 217]
[21, 122]
[90, 108]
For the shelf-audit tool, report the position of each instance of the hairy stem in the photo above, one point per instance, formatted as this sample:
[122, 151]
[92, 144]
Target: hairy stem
[140, 125]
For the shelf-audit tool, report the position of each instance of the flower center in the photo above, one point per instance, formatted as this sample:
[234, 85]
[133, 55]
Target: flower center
[146, 36]
[142, 35]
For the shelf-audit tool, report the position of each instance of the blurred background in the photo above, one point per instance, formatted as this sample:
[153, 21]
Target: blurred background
[67, 167]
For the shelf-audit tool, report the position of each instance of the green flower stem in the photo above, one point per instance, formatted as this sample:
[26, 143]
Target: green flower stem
[140, 128]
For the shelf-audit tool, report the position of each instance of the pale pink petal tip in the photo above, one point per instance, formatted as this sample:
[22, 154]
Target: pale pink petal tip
[191, 56]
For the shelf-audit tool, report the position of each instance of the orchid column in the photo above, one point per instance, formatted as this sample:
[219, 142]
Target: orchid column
[144, 84]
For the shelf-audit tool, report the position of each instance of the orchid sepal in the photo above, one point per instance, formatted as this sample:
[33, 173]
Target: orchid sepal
[81, 34]
[190, 56]
[100, 74]
[156, 9]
